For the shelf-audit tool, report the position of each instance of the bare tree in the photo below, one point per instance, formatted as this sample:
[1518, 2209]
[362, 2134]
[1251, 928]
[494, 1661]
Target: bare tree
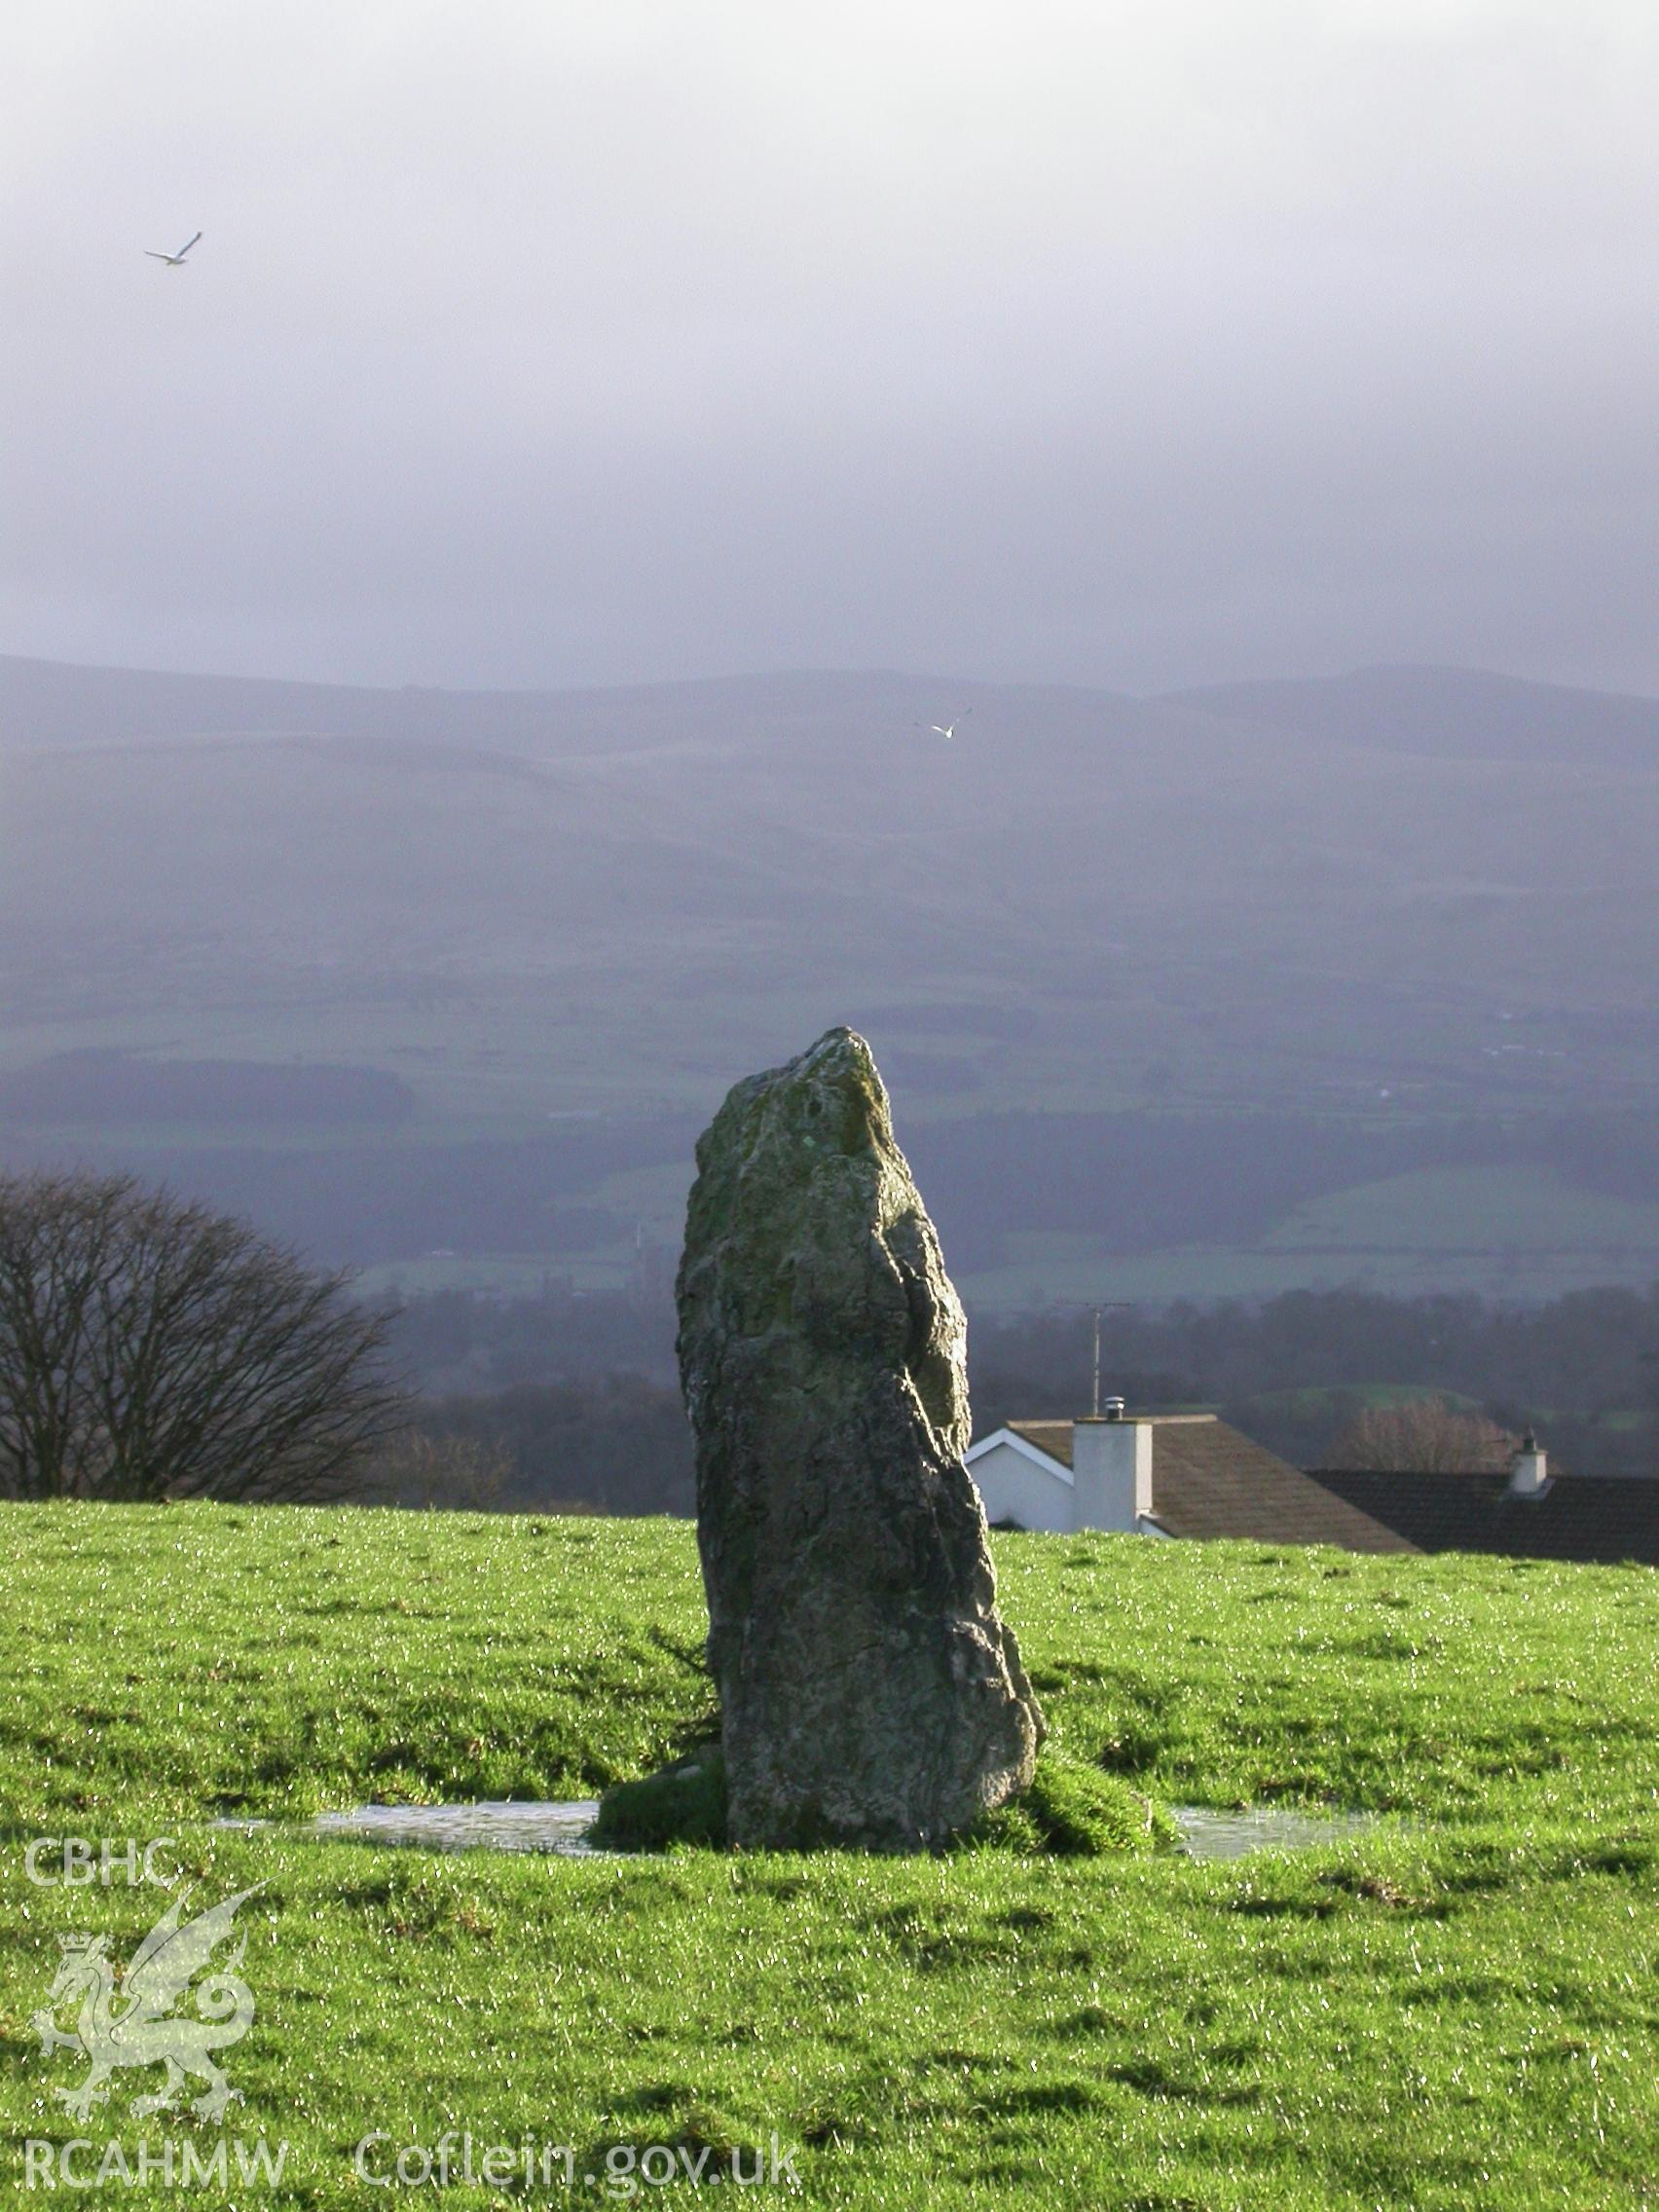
[152, 1349]
[1421, 1436]
[427, 1469]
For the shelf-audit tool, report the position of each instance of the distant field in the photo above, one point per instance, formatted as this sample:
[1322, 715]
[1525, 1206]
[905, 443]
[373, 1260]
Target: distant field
[1323, 1404]
[1033, 1209]
[1505, 1233]
[1476, 1212]
[1080, 1277]
[1454, 2011]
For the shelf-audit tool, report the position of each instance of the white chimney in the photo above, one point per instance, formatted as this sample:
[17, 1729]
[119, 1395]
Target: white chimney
[1111, 1470]
[1528, 1471]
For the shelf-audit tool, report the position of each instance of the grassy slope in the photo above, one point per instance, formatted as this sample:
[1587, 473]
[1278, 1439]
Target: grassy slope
[1457, 2010]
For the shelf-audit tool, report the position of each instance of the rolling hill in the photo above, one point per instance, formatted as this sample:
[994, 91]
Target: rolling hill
[1410, 911]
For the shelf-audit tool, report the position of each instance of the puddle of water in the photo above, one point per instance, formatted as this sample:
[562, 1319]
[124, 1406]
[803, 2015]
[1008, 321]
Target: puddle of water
[563, 1828]
[1209, 1834]
[500, 1826]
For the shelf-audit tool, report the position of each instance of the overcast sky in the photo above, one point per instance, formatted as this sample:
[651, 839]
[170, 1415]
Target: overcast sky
[1122, 342]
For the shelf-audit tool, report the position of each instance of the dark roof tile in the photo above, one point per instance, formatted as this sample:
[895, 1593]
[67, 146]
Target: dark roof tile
[1605, 1519]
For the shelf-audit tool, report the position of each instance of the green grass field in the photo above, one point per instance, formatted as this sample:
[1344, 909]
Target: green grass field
[1456, 2009]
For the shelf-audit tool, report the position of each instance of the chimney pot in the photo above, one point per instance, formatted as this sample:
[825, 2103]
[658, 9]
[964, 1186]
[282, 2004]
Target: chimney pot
[1528, 1469]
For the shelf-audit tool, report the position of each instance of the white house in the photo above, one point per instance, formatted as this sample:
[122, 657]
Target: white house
[1093, 1473]
[1159, 1475]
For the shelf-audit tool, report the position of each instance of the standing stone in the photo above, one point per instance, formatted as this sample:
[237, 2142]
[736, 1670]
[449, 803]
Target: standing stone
[868, 1692]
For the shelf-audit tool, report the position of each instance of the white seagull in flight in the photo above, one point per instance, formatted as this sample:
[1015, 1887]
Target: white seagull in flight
[949, 729]
[172, 260]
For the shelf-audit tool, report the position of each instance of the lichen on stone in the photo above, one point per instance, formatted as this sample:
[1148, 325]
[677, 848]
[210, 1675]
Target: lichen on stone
[868, 1690]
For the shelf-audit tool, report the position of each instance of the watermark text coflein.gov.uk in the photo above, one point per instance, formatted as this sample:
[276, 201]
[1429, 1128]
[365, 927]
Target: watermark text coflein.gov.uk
[623, 2170]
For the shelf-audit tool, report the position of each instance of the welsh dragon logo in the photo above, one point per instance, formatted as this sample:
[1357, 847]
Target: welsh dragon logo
[137, 2026]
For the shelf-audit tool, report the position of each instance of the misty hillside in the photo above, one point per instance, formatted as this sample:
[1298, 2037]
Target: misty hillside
[1388, 903]
[1450, 714]
[1071, 852]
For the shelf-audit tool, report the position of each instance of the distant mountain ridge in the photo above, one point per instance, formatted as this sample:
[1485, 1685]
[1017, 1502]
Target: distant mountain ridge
[45, 703]
[1405, 893]
[1446, 713]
